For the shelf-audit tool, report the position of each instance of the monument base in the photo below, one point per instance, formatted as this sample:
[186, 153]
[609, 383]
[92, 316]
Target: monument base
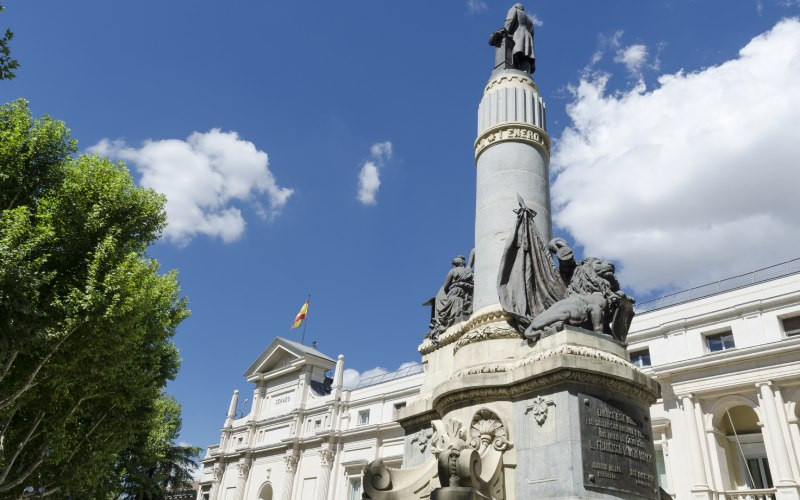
[566, 417]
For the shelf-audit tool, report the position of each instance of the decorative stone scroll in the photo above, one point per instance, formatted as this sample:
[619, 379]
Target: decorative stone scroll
[518, 132]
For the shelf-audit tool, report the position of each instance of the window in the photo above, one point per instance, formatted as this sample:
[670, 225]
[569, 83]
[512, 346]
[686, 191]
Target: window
[720, 341]
[354, 489]
[663, 481]
[641, 357]
[791, 325]
[363, 417]
[759, 474]
[318, 424]
[397, 406]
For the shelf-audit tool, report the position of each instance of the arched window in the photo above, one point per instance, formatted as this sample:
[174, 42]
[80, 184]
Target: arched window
[265, 493]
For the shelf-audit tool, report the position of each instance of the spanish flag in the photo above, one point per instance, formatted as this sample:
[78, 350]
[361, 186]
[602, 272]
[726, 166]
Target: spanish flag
[301, 316]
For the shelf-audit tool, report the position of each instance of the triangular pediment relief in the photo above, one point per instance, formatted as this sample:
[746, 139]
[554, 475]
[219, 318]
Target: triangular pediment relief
[277, 360]
[282, 354]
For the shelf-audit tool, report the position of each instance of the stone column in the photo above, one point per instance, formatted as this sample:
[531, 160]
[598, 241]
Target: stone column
[700, 486]
[291, 458]
[326, 457]
[779, 462]
[241, 480]
[512, 153]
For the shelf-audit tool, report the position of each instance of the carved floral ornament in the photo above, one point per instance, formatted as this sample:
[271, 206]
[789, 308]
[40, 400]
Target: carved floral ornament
[486, 429]
[539, 408]
[243, 469]
[423, 437]
[326, 456]
[291, 460]
[218, 471]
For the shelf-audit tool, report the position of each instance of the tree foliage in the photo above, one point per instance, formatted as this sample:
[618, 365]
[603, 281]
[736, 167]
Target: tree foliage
[155, 463]
[7, 63]
[86, 319]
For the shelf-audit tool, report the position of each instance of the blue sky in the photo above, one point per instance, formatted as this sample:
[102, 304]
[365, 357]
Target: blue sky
[675, 153]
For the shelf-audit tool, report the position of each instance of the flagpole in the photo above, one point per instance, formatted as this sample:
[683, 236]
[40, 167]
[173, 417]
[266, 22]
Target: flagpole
[305, 322]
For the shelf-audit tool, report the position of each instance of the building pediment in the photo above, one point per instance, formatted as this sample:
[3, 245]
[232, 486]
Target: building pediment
[284, 356]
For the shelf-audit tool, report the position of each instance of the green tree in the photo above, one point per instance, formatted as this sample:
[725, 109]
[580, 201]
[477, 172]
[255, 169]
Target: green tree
[86, 318]
[155, 464]
[7, 63]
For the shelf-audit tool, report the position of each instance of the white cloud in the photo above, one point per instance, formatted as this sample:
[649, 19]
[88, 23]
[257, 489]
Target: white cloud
[202, 176]
[693, 181]
[535, 20]
[633, 57]
[604, 43]
[476, 6]
[369, 178]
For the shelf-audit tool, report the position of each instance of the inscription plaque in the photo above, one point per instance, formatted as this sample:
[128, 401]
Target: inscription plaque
[617, 447]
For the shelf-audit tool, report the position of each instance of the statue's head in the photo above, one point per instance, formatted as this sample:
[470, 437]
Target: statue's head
[519, 6]
[459, 261]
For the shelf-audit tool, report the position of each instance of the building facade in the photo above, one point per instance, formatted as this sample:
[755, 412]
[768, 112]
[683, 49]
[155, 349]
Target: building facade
[727, 357]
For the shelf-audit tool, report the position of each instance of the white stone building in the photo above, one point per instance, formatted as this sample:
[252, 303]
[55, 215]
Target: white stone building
[727, 356]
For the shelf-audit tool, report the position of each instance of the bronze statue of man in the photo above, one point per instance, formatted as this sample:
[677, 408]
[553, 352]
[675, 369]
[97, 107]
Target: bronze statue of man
[517, 30]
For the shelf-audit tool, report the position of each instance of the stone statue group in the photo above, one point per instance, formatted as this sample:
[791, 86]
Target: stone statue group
[539, 298]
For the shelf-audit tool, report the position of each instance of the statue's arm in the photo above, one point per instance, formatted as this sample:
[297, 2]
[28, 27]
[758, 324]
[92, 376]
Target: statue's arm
[448, 281]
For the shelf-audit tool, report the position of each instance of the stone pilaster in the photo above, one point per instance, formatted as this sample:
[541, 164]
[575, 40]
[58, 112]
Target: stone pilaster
[291, 458]
[219, 471]
[243, 471]
[784, 482]
[700, 488]
[326, 457]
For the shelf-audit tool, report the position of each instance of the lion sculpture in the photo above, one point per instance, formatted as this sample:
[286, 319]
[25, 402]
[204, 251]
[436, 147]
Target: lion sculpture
[593, 299]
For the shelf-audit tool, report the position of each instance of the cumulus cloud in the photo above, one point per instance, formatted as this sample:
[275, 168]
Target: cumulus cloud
[476, 6]
[352, 377]
[369, 178]
[535, 20]
[202, 177]
[693, 181]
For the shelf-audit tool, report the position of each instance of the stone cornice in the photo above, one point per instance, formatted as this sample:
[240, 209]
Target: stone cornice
[513, 131]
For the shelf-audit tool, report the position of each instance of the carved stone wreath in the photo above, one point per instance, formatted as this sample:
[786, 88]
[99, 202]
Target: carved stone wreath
[487, 332]
[486, 429]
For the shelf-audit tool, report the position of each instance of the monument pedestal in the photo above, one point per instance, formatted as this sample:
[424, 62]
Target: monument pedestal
[566, 417]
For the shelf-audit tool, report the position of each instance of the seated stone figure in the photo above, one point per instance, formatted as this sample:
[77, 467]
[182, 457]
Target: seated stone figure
[453, 302]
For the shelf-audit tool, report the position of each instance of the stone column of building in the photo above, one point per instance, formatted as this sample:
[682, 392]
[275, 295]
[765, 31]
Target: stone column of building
[243, 471]
[326, 457]
[512, 153]
[779, 462]
[291, 458]
[700, 489]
